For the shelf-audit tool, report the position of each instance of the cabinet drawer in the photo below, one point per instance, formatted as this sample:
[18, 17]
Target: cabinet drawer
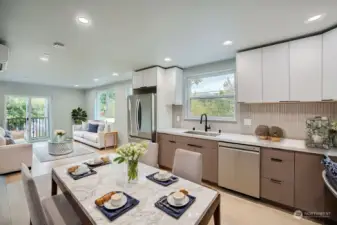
[196, 142]
[277, 155]
[167, 137]
[280, 170]
[277, 191]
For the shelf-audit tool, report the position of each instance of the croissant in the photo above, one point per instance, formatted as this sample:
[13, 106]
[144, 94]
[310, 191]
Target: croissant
[72, 169]
[100, 201]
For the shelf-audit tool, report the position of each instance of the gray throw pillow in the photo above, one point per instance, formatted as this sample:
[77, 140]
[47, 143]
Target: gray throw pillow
[8, 134]
[101, 127]
[9, 141]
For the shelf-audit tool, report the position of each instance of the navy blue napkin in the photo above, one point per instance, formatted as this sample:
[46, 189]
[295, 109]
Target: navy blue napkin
[166, 183]
[77, 177]
[114, 214]
[175, 212]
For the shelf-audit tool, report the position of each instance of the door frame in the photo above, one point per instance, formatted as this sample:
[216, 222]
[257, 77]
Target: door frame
[28, 108]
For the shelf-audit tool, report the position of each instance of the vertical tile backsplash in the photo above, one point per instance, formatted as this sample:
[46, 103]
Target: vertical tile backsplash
[290, 117]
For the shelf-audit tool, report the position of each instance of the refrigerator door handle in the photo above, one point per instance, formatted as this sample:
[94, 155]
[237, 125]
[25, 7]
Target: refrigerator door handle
[140, 115]
[137, 108]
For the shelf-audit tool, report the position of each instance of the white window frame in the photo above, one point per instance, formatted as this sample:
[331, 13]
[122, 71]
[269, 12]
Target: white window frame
[188, 114]
[97, 117]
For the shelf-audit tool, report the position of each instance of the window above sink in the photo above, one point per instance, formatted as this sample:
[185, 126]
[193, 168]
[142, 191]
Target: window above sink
[213, 94]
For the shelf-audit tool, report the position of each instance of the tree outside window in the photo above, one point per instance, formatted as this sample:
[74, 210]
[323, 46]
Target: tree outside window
[213, 94]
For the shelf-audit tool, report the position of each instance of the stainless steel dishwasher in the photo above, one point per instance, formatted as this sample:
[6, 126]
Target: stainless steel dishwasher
[239, 168]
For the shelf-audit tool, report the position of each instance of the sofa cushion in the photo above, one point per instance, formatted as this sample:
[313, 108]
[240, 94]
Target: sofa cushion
[93, 128]
[93, 137]
[85, 126]
[79, 133]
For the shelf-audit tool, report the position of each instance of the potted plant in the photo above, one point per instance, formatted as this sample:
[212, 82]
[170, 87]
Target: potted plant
[262, 131]
[276, 133]
[79, 115]
[130, 153]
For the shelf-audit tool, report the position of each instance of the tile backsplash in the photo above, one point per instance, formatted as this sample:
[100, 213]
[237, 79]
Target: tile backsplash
[290, 117]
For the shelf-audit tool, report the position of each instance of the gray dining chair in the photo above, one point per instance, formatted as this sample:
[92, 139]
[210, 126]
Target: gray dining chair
[151, 156]
[53, 210]
[188, 165]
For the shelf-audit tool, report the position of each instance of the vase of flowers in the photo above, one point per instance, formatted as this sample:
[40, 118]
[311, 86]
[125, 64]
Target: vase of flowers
[60, 134]
[130, 153]
[333, 133]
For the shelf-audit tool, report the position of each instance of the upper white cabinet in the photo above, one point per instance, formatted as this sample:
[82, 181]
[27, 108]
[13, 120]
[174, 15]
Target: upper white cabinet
[249, 76]
[137, 80]
[330, 65]
[306, 69]
[145, 78]
[175, 78]
[275, 71]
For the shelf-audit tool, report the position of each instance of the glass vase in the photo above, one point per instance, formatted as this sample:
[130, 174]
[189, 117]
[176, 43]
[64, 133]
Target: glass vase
[60, 138]
[132, 171]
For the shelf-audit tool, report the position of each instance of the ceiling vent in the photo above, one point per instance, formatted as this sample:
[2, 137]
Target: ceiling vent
[4, 51]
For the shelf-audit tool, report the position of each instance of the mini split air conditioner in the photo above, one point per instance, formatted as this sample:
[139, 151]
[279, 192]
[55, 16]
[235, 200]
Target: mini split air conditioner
[4, 51]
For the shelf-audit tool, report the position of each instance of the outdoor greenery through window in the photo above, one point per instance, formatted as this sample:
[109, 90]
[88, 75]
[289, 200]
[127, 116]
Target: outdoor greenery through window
[213, 94]
[106, 105]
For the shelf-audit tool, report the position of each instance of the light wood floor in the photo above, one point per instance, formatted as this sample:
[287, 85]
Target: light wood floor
[235, 208]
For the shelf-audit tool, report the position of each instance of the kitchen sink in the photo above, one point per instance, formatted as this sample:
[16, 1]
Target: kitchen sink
[212, 134]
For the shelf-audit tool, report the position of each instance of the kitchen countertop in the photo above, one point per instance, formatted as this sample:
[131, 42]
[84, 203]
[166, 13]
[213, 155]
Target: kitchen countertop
[284, 144]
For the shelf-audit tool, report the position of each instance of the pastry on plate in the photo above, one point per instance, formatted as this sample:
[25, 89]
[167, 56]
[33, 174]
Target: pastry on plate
[72, 169]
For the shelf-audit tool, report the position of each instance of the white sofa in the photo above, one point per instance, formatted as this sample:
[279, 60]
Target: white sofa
[11, 156]
[93, 139]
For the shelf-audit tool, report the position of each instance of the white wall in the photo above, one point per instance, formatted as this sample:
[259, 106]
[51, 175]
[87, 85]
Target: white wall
[63, 101]
[121, 107]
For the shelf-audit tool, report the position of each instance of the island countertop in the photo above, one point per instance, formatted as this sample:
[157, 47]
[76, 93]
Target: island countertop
[284, 144]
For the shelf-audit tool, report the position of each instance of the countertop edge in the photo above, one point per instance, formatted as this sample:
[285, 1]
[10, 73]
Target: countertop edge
[283, 145]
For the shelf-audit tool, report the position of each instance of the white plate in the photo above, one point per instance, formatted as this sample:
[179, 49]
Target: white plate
[76, 173]
[92, 162]
[171, 201]
[109, 206]
[156, 176]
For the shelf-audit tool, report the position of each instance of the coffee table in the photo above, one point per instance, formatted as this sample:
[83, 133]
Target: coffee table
[60, 148]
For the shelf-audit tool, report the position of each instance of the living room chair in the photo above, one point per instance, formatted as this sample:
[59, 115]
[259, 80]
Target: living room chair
[49, 211]
[188, 165]
[11, 156]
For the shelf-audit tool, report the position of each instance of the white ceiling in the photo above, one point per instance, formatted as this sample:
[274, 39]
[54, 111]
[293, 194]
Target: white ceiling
[131, 34]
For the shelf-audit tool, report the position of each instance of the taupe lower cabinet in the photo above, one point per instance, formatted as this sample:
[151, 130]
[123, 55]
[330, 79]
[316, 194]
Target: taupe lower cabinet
[209, 150]
[309, 185]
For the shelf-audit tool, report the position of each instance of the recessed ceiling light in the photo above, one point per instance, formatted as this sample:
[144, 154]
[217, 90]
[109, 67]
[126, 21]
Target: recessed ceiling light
[44, 58]
[227, 43]
[315, 18]
[76, 85]
[83, 20]
[95, 79]
[115, 74]
[167, 59]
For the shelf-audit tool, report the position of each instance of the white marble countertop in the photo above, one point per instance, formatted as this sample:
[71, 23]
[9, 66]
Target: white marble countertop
[112, 177]
[284, 144]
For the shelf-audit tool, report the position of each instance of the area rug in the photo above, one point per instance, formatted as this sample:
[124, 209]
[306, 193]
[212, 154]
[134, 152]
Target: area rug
[41, 152]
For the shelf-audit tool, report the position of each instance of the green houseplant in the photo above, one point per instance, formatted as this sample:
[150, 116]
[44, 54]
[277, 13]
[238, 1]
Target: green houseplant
[79, 115]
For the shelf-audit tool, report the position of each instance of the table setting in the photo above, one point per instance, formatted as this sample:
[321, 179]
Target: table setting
[101, 198]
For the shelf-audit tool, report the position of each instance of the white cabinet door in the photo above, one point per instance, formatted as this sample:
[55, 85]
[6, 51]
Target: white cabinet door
[249, 75]
[275, 70]
[150, 77]
[137, 79]
[306, 69]
[330, 65]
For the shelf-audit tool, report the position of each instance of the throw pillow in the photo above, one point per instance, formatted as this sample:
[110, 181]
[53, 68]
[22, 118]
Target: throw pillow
[9, 141]
[2, 132]
[8, 134]
[85, 126]
[101, 127]
[93, 128]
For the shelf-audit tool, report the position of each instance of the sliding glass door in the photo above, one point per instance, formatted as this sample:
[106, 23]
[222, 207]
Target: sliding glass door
[28, 117]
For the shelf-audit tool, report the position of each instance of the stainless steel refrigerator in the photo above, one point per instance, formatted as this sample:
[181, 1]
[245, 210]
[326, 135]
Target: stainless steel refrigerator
[142, 117]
